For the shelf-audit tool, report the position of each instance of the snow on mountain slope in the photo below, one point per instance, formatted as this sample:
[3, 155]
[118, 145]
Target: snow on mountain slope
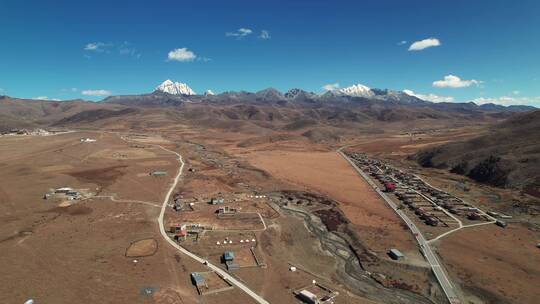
[175, 88]
[357, 90]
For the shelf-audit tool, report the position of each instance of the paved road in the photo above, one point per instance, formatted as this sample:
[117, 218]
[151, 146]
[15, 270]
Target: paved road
[460, 223]
[215, 268]
[446, 285]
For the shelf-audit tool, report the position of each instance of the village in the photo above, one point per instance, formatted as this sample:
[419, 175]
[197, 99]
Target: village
[437, 211]
[224, 213]
[225, 229]
[32, 132]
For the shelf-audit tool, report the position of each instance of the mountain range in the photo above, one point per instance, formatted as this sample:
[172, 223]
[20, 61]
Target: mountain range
[328, 115]
[347, 94]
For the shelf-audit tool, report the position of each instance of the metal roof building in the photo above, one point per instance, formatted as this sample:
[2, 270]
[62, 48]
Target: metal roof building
[158, 173]
[197, 278]
[395, 254]
[228, 256]
[232, 265]
[308, 297]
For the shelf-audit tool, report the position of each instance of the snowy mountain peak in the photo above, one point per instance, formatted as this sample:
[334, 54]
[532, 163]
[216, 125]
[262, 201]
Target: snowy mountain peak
[357, 90]
[175, 88]
[209, 93]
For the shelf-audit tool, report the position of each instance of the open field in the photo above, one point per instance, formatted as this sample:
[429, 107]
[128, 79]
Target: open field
[328, 173]
[490, 264]
[121, 209]
[282, 242]
[494, 265]
[48, 251]
[142, 248]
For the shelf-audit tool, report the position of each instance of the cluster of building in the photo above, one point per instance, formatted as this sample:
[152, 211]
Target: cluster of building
[64, 192]
[180, 204]
[185, 231]
[225, 210]
[411, 190]
[35, 132]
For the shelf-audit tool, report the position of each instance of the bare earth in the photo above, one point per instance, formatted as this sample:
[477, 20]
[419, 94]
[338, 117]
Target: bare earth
[330, 174]
[61, 251]
[494, 261]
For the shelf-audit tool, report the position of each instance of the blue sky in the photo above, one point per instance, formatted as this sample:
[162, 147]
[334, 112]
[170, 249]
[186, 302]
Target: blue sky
[487, 51]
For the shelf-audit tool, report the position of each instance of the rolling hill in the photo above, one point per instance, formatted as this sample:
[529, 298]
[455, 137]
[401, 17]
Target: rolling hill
[318, 118]
[507, 156]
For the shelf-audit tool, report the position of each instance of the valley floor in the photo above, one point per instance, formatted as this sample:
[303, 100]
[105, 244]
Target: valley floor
[60, 250]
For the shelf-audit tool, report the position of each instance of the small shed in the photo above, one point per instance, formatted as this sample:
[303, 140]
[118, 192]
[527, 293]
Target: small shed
[395, 254]
[63, 190]
[226, 210]
[308, 297]
[501, 224]
[432, 221]
[228, 256]
[197, 279]
[473, 216]
[158, 173]
[217, 201]
[232, 265]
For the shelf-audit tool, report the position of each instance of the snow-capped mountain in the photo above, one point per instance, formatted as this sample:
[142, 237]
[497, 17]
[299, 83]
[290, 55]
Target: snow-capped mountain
[175, 88]
[357, 90]
[209, 93]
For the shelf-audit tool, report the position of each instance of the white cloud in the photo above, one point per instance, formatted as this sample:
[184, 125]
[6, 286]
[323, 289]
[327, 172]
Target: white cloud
[508, 100]
[424, 44]
[46, 98]
[182, 54]
[516, 92]
[96, 92]
[265, 35]
[430, 97]
[402, 42]
[241, 32]
[127, 49]
[330, 86]
[96, 46]
[452, 81]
